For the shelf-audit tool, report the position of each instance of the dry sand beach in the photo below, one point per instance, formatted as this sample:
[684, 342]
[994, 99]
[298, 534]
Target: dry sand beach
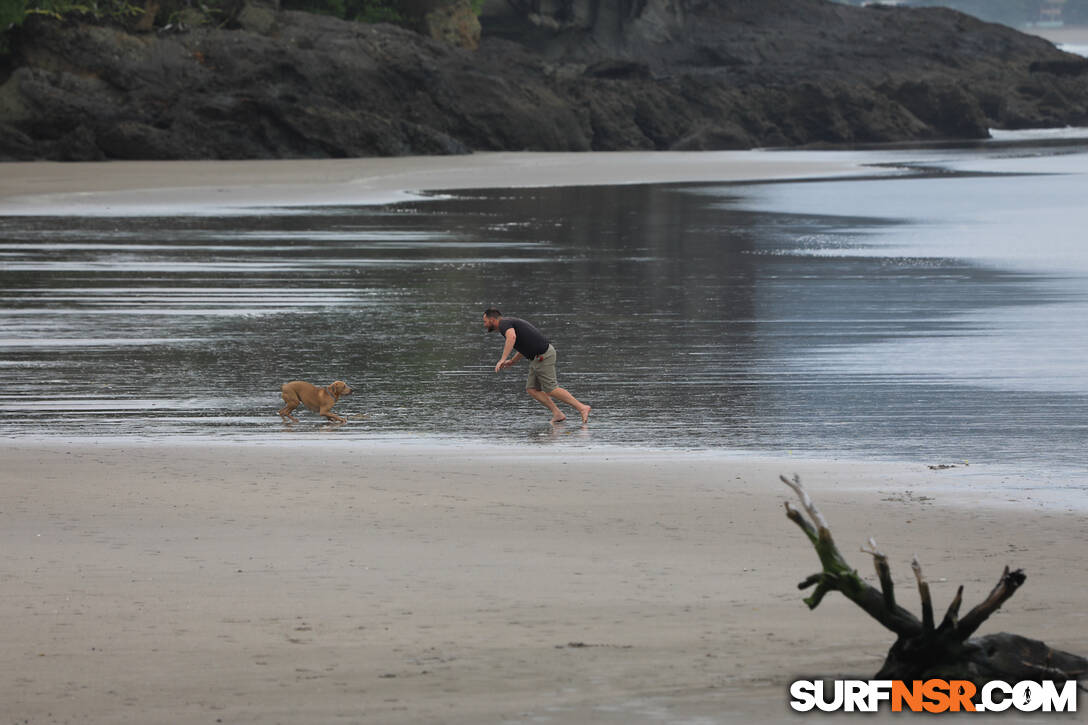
[317, 581]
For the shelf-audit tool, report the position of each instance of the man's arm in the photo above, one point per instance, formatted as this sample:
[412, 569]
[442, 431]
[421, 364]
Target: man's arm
[511, 336]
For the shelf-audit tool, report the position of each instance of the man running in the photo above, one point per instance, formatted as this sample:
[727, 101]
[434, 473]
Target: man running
[531, 344]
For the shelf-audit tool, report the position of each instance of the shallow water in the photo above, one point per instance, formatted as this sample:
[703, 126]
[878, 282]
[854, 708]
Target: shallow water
[937, 315]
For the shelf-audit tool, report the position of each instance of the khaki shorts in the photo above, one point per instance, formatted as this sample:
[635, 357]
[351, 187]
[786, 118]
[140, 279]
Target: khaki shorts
[542, 372]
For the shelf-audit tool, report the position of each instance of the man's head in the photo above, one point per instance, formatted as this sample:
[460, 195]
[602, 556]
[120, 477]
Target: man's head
[491, 319]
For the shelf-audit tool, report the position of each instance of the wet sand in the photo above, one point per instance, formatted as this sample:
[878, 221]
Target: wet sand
[123, 187]
[316, 582]
[189, 581]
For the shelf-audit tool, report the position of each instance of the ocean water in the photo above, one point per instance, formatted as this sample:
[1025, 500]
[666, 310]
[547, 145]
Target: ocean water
[1077, 48]
[936, 314]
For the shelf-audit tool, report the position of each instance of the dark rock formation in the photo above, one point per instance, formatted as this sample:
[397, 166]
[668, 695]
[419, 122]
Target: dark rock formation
[548, 75]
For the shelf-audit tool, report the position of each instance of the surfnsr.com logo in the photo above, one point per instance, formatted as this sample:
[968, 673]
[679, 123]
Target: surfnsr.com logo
[933, 696]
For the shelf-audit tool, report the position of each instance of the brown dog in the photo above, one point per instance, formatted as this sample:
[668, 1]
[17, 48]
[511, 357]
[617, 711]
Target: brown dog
[318, 400]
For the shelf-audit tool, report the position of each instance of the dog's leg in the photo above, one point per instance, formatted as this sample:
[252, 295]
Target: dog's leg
[327, 412]
[288, 406]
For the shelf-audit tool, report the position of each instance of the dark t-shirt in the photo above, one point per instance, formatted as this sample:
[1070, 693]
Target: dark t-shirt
[530, 341]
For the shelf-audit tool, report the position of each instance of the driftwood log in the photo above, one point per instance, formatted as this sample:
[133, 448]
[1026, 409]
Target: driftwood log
[923, 648]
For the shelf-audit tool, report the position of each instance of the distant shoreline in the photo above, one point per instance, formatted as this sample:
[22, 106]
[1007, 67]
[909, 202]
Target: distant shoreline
[1067, 34]
[180, 187]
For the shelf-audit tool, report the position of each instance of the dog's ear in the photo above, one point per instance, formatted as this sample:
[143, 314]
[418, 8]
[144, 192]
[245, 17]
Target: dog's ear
[339, 387]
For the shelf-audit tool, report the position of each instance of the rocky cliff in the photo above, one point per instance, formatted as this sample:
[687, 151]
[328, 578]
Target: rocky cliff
[547, 75]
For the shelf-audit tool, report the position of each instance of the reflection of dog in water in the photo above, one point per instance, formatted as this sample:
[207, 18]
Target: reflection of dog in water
[318, 400]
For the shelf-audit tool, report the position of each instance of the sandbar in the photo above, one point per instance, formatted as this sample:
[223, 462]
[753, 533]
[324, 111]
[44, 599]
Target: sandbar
[185, 187]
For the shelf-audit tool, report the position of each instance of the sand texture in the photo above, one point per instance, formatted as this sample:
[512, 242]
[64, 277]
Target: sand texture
[315, 582]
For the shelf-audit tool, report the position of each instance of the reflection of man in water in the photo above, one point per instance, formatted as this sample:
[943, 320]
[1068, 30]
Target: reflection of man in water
[531, 344]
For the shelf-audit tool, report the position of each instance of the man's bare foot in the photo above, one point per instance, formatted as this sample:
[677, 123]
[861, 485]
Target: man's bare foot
[558, 418]
[585, 414]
